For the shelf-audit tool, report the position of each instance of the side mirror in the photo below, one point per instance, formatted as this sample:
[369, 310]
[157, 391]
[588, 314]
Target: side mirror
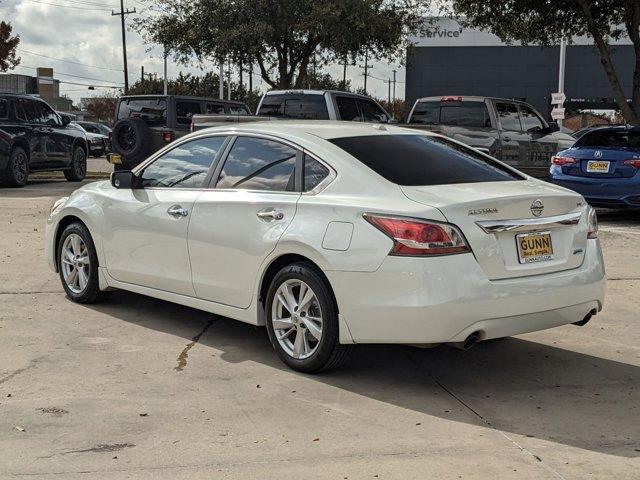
[66, 119]
[124, 179]
[553, 127]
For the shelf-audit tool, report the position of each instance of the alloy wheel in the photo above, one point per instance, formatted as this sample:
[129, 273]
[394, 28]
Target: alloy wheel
[296, 317]
[20, 167]
[79, 164]
[75, 263]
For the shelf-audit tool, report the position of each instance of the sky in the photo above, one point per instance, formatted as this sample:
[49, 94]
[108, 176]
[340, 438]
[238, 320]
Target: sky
[82, 39]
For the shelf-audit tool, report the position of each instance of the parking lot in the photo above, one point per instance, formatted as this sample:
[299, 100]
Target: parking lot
[141, 388]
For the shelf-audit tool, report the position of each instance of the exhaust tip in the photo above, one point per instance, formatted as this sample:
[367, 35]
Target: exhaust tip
[468, 342]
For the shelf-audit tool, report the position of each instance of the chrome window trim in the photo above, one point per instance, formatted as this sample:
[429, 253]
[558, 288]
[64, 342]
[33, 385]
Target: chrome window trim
[528, 224]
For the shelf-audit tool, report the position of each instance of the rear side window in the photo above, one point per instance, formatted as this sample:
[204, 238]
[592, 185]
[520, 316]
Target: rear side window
[308, 107]
[4, 108]
[610, 139]
[423, 160]
[259, 164]
[214, 108]
[508, 116]
[152, 110]
[186, 110]
[185, 166]
[465, 114]
[27, 110]
[314, 173]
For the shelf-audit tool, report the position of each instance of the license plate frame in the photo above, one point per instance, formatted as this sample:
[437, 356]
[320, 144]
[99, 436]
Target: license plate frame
[598, 166]
[114, 158]
[542, 249]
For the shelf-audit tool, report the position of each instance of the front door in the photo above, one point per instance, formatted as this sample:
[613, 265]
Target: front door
[236, 225]
[56, 142]
[543, 144]
[145, 229]
[514, 143]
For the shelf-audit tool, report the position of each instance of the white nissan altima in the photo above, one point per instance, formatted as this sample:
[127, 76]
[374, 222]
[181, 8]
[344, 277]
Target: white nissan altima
[334, 234]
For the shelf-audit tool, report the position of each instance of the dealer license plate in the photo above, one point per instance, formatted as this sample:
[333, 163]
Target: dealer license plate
[595, 166]
[534, 247]
[114, 158]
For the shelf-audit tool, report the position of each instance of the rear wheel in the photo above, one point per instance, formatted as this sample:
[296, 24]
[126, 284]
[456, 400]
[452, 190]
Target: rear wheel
[302, 320]
[78, 264]
[78, 168]
[17, 172]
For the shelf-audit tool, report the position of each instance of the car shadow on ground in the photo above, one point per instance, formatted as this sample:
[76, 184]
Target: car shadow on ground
[513, 385]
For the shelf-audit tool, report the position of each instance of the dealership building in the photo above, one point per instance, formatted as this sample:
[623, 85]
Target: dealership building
[456, 60]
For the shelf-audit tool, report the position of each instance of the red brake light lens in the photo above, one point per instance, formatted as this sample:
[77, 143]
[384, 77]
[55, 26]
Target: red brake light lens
[634, 162]
[167, 136]
[415, 237]
[451, 99]
[560, 160]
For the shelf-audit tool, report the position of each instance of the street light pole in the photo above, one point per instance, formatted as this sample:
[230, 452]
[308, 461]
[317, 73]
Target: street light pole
[563, 56]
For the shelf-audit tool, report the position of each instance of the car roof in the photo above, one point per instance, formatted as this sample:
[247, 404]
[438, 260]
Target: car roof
[325, 129]
[183, 97]
[315, 92]
[467, 98]
[611, 128]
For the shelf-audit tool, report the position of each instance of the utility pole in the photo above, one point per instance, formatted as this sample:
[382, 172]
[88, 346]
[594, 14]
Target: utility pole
[229, 80]
[141, 73]
[221, 80]
[366, 69]
[122, 13]
[393, 105]
[389, 93]
[250, 75]
[166, 85]
[241, 76]
[344, 72]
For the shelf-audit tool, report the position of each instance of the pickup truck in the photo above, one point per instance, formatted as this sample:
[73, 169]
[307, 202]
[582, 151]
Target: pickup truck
[306, 105]
[510, 130]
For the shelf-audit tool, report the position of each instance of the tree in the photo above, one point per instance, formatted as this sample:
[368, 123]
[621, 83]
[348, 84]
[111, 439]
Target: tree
[282, 36]
[545, 22]
[103, 108]
[8, 46]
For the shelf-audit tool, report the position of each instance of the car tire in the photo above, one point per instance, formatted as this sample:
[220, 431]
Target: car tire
[17, 172]
[294, 334]
[131, 139]
[76, 252]
[78, 168]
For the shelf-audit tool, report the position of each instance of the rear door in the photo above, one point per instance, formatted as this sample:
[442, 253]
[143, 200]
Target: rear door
[514, 143]
[237, 224]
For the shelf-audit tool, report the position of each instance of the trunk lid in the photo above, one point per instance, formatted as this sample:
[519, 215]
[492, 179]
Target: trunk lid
[611, 158]
[495, 217]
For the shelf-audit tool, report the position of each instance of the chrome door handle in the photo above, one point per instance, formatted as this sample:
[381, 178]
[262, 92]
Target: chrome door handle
[177, 211]
[271, 214]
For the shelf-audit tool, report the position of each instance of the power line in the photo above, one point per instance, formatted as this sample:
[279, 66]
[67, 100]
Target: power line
[67, 61]
[71, 75]
[70, 6]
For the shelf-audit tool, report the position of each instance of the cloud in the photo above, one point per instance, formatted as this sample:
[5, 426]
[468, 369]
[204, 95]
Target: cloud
[87, 33]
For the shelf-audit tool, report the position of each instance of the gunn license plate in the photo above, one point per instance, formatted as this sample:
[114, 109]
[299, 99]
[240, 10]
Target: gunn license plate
[114, 158]
[534, 247]
[594, 166]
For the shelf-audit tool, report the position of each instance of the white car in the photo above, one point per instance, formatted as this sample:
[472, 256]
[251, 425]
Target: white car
[333, 234]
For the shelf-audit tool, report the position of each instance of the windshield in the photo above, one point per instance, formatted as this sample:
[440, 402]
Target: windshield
[414, 160]
[627, 139]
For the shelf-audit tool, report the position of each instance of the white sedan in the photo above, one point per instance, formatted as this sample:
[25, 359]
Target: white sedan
[333, 234]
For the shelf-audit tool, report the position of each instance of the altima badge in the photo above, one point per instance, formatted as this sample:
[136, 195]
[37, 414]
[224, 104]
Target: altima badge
[537, 207]
[483, 211]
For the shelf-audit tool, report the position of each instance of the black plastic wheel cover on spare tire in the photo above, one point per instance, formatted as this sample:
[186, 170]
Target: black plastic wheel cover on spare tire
[131, 139]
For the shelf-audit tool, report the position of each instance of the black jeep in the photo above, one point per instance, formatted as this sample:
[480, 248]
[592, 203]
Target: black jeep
[146, 123]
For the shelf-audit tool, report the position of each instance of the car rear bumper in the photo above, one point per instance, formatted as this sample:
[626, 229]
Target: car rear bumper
[444, 299]
[601, 192]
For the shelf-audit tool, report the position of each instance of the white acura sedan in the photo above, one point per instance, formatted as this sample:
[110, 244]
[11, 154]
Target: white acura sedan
[334, 234]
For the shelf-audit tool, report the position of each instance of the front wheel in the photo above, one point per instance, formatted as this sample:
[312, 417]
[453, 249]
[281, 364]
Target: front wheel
[302, 320]
[78, 264]
[78, 168]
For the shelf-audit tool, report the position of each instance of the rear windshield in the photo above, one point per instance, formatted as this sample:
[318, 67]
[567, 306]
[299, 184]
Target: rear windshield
[423, 160]
[463, 114]
[610, 139]
[151, 110]
[307, 107]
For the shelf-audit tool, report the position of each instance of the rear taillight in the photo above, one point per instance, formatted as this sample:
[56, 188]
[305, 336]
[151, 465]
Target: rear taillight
[167, 136]
[415, 237]
[592, 221]
[560, 160]
[634, 162]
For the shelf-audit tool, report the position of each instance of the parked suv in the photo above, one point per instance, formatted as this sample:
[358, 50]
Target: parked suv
[34, 137]
[509, 130]
[146, 123]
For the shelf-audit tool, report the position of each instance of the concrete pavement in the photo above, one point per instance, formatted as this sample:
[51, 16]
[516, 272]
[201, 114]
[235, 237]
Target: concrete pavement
[120, 389]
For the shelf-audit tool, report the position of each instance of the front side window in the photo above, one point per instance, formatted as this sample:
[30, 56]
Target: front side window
[348, 109]
[423, 160]
[259, 164]
[314, 173]
[185, 166]
[48, 115]
[372, 112]
[508, 116]
[530, 120]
